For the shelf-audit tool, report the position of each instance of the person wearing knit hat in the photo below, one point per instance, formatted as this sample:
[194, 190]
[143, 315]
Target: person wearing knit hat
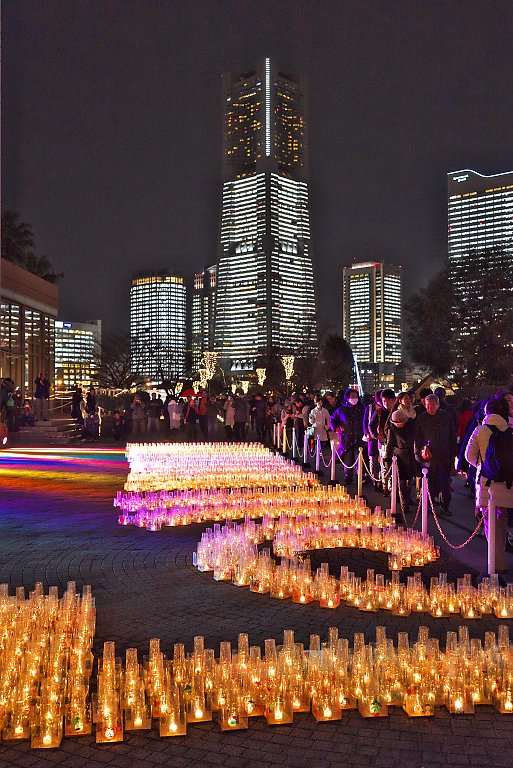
[400, 443]
[399, 417]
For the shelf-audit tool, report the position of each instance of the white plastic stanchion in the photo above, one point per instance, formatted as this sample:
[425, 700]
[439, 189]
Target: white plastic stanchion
[492, 519]
[275, 441]
[393, 492]
[305, 450]
[318, 454]
[424, 500]
[294, 443]
[360, 472]
[333, 461]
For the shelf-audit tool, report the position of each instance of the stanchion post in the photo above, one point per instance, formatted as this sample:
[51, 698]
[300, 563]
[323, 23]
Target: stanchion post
[284, 446]
[333, 461]
[294, 443]
[306, 463]
[275, 441]
[492, 520]
[318, 454]
[360, 472]
[393, 492]
[424, 500]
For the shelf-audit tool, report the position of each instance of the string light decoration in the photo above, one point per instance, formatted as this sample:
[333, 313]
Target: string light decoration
[245, 386]
[288, 364]
[210, 363]
[234, 387]
[178, 387]
[203, 378]
[260, 372]
[196, 387]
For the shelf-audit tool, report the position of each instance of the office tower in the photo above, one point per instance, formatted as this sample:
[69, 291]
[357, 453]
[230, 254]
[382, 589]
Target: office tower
[265, 284]
[203, 312]
[76, 348]
[157, 325]
[480, 225]
[28, 308]
[371, 311]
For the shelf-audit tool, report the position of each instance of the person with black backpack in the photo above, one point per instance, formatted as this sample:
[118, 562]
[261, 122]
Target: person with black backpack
[490, 450]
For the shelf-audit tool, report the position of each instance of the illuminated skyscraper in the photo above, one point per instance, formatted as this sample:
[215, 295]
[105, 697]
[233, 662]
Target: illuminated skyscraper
[203, 312]
[157, 325]
[265, 282]
[371, 308]
[480, 223]
[76, 346]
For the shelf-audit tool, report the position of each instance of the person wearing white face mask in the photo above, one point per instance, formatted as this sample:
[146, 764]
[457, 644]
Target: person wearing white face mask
[347, 422]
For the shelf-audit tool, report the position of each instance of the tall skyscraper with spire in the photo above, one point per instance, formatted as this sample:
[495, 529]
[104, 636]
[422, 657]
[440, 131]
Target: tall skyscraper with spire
[265, 284]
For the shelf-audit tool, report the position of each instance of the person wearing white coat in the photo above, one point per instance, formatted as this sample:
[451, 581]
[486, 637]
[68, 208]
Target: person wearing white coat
[175, 416]
[319, 419]
[496, 415]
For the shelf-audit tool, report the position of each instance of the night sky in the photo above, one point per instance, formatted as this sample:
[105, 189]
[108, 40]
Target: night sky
[112, 126]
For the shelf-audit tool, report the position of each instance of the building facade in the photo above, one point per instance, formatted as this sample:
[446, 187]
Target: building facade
[158, 325]
[28, 309]
[480, 226]
[203, 313]
[76, 348]
[371, 308]
[265, 282]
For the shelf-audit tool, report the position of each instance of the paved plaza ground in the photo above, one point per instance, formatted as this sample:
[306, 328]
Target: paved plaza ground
[58, 523]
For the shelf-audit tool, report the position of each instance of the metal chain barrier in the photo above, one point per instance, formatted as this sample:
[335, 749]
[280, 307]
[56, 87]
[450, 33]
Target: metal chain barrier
[419, 507]
[299, 453]
[352, 466]
[380, 477]
[442, 534]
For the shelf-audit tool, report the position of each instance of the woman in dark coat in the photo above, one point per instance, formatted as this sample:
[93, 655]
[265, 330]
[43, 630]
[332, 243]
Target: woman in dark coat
[400, 443]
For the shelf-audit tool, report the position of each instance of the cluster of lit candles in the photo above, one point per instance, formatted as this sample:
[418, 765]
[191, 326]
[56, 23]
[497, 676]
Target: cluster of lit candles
[315, 504]
[185, 466]
[45, 664]
[325, 679]
[233, 556]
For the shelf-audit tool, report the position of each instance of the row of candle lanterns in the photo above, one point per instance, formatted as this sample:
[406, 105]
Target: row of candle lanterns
[171, 466]
[45, 664]
[316, 505]
[231, 552]
[325, 679]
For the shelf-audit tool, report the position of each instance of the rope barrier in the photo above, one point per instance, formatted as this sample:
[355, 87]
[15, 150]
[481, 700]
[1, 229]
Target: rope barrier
[442, 534]
[299, 453]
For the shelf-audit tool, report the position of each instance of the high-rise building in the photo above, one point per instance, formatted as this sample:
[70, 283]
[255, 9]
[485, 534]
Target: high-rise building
[157, 325]
[203, 313]
[76, 347]
[371, 309]
[265, 283]
[480, 224]
[28, 308]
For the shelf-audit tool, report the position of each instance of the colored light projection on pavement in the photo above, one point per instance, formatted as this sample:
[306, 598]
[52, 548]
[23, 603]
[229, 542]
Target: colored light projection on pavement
[55, 471]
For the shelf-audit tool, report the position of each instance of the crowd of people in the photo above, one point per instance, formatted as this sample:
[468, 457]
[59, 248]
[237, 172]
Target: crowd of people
[429, 430]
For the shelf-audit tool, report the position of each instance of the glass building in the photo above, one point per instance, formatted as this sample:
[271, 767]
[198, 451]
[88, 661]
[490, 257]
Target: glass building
[265, 283]
[203, 313]
[480, 226]
[157, 325]
[371, 308]
[28, 309]
[76, 345]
